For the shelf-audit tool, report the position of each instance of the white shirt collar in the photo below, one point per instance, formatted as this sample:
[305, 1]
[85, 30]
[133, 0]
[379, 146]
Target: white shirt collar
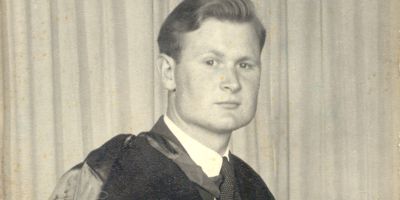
[209, 160]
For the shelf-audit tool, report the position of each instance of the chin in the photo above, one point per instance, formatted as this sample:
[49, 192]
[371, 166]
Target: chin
[228, 124]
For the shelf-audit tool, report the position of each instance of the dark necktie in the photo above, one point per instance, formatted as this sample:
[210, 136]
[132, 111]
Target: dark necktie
[228, 183]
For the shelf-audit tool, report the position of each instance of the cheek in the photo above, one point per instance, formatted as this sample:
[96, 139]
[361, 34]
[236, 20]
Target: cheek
[252, 85]
[250, 93]
[189, 89]
[195, 82]
[183, 83]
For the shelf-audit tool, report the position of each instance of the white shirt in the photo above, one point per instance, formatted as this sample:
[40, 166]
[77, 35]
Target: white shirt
[209, 160]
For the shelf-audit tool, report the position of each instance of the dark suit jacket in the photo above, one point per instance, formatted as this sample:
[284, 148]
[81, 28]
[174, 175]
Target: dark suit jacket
[129, 167]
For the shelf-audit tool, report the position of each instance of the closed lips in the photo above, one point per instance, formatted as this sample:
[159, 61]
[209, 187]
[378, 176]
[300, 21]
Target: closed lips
[229, 104]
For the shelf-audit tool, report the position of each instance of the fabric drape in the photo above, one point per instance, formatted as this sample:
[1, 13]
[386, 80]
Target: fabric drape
[75, 73]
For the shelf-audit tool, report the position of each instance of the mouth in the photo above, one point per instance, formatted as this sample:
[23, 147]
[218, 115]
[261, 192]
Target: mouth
[229, 104]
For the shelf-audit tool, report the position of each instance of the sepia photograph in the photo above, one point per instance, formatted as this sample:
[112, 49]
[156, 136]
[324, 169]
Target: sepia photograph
[200, 99]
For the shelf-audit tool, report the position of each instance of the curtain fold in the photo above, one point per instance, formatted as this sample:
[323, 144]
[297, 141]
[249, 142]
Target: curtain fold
[75, 73]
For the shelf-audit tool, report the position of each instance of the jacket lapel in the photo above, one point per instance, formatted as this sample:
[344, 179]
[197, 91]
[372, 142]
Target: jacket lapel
[163, 140]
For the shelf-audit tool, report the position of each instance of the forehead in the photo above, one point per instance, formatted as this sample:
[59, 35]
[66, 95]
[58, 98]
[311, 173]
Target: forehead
[222, 35]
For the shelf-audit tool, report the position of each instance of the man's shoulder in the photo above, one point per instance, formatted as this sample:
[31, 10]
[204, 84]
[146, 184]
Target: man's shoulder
[92, 172]
[245, 169]
[249, 180]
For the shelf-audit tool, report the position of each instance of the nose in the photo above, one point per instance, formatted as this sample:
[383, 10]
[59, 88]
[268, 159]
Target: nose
[230, 81]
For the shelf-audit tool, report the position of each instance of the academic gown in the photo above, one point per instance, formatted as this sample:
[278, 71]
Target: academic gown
[152, 165]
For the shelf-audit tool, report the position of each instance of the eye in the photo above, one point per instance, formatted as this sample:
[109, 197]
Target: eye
[245, 65]
[211, 62]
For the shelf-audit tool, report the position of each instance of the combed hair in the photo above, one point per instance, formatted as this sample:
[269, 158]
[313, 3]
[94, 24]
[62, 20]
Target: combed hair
[190, 14]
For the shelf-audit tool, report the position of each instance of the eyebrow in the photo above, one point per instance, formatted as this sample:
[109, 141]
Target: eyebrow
[216, 52]
[244, 58]
[222, 55]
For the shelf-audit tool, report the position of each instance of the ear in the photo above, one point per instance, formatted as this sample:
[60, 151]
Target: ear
[166, 68]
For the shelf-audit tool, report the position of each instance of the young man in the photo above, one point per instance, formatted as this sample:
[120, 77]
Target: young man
[210, 65]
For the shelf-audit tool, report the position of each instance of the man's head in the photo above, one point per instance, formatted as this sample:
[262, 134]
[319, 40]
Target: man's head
[210, 52]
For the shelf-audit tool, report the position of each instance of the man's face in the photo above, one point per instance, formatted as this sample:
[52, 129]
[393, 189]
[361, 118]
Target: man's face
[218, 76]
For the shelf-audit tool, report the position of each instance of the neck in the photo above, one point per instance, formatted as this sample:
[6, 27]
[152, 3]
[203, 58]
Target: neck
[217, 141]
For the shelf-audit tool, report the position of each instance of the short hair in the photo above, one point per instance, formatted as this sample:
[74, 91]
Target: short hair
[190, 14]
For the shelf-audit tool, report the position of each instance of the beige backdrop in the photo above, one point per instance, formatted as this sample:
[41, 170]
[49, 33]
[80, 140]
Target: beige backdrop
[76, 72]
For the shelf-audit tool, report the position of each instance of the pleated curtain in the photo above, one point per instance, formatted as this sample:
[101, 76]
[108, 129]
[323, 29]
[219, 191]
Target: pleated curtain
[75, 73]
